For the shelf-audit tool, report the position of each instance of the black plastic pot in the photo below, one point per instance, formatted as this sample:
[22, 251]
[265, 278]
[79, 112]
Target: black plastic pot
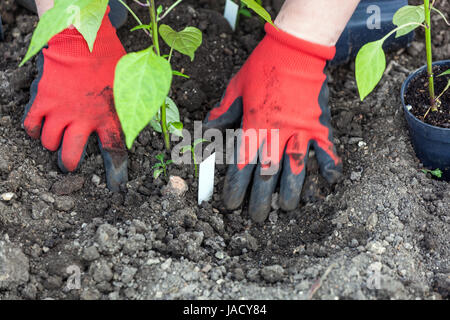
[358, 30]
[431, 143]
[1, 29]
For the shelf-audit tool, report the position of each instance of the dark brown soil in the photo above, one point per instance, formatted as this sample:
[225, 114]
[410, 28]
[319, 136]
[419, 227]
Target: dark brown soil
[417, 95]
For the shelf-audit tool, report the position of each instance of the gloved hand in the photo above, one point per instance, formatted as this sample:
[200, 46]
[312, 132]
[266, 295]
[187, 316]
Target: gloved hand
[281, 86]
[72, 98]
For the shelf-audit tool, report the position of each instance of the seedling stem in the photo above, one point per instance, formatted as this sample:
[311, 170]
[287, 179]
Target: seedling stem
[429, 54]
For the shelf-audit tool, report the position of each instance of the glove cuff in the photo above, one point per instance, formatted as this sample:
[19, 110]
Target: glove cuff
[70, 42]
[309, 48]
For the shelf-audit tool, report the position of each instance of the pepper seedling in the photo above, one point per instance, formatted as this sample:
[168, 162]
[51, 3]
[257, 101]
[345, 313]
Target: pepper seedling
[191, 149]
[142, 79]
[371, 60]
[161, 166]
[437, 172]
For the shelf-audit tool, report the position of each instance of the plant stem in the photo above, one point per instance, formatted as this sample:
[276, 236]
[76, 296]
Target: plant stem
[154, 23]
[170, 9]
[164, 126]
[195, 163]
[152, 9]
[426, 7]
[134, 15]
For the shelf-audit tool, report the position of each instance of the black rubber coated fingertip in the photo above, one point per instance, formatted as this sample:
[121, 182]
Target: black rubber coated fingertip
[259, 211]
[261, 197]
[290, 187]
[328, 168]
[331, 172]
[235, 186]
[116, 167]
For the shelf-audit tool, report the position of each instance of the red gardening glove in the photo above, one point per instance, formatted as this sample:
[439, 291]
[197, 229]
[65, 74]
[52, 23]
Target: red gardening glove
[72, 98]
[282, 86]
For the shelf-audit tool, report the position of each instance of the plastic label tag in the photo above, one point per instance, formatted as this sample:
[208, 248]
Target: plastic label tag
[206, 179]
[231, 13]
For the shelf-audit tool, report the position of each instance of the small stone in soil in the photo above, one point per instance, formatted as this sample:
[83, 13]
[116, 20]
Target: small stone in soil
[272, 273]
[176, 187]
[7, 196]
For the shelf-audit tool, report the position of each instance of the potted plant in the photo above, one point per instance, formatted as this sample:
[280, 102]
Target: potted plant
[424, 94]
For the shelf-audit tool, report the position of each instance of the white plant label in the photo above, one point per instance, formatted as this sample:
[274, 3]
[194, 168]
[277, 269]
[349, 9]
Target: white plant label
[231, 13]
[206, 179]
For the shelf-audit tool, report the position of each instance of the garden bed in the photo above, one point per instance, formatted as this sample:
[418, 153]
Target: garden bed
[383, 232]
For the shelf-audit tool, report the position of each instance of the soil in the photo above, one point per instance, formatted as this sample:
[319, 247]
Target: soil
[417, 95]
[383, 232]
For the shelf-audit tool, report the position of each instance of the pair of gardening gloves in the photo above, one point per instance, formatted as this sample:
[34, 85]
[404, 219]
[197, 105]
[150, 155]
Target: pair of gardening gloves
[281, 88]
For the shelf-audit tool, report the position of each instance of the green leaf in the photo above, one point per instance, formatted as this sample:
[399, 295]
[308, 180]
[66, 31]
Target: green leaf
[172, 115]
[141, 84]
[445, 89]
[91, 17]
[186, 41]
[169, 162]
[160, 157]
[142, 26]
[159, 10]
[185, 149]
[252, 4]
[245, 13]
[85, 15]
[157, 165]
[436, 173]
[157, 173]
[369, 67]
[180, 74]
[408, 14]
[200, 140]
[176, 128]
[445, 73]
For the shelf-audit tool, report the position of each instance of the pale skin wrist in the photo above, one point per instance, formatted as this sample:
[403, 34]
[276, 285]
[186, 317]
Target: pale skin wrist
[43, 6]
[318, 21]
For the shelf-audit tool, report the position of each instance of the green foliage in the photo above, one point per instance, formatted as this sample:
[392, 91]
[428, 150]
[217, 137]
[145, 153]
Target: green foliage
[180, 74]
[371, 61]
[142, 83]
[161, 166]
[142, 96]
[369, 67]
[244, 11]
[85, 15]
[186, 41]
[259, 10]
[445, 73]
[142, 79]
[173, 119]
[191, 149]
[437, 173]
[142, 26]
[408, 14]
